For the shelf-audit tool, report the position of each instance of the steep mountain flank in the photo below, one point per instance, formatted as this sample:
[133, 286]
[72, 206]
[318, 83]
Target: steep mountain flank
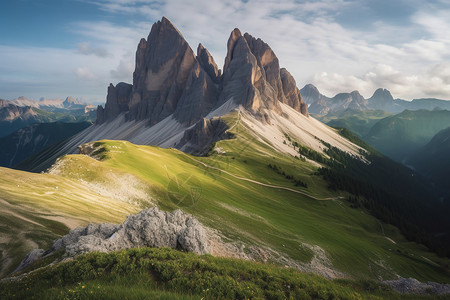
[29, 140]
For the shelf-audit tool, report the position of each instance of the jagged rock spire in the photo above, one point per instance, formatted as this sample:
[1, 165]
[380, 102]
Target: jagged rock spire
[170, 80]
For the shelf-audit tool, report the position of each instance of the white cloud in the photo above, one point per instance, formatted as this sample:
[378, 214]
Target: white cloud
[411, 59]
[86, 49]
[124, 71]
[433, 82]
[84, 73]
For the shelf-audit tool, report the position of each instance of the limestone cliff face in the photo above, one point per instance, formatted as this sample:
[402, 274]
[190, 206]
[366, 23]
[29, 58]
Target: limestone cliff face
[117, 100]
[163, 66]
[253, 78]
[205, 132]
[208, 64]
[170, 80]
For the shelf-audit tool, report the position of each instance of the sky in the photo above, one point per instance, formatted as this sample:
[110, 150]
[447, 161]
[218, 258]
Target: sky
[60, 48]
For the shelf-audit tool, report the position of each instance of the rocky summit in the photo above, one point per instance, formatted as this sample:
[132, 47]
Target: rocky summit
[171, 80]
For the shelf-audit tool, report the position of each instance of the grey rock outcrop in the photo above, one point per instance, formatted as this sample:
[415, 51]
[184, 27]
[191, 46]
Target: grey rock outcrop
[208, 64]
[32, 256]
[292, 93]
[205, 132]
[413, 286]
[149, 228]
[117, 101]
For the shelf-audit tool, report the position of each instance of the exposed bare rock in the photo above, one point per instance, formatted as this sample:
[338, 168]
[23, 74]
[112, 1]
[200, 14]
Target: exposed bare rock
[292, 93]
[234, 36]
[3, 103]
[205, 132]
[100, 115]
[149, 228]
[117, 101]
[199, 97]
[30, 259]
[382, 99]
[252, 77]
[310, 94]
[342, 101]
[413, 286]
[171, 82]
[208, 64]
[163, 66]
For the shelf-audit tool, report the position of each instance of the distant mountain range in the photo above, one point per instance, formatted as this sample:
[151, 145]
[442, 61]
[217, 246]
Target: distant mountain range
[319, 104]
[401, 135]
[22, 112]
[49, 104]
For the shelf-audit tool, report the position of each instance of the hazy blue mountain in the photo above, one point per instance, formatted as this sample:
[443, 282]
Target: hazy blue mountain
[433, 160]
[358, 122]
[14, 117]
[381, 99]
[29, 140]
[401, 135]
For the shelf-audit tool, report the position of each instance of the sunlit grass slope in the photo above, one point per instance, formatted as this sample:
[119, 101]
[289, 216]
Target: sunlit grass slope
[236, 192]
[169, 274]
[38, 208]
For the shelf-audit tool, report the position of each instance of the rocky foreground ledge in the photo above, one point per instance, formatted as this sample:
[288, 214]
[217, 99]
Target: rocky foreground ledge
[413, 286]
[149, 228]
[177, 230]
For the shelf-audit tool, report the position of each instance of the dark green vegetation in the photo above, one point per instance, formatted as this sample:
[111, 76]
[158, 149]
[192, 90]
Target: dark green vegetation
[280, 171]
[29, 140]
[252, 206]
[407, 202]
[401, 135]
[359, 122]
[396, 136]
[147, 273]
[433, 162]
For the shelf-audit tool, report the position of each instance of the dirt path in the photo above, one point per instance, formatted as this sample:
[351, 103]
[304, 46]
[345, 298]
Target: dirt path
[264, 184]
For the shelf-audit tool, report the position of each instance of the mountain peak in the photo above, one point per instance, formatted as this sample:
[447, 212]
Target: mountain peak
[381, 99]
[382, 94]
[208, 64]
[234, 37]
[170, 80]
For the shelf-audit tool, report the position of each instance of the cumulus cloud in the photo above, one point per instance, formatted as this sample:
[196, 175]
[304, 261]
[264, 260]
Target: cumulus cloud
[433, 82]
[84, 73]
[86, 49]
[124, 70]
[309, 38]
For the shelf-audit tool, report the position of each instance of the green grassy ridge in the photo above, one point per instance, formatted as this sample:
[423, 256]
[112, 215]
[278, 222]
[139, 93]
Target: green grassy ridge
[39, 208]
[268, 217]
[170, 274]
[252, 215]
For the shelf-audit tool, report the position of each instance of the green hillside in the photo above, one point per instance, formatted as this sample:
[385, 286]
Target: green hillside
[29, 140]
[288, 211]
[433, 161]
[401, 135]
[169, 274]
